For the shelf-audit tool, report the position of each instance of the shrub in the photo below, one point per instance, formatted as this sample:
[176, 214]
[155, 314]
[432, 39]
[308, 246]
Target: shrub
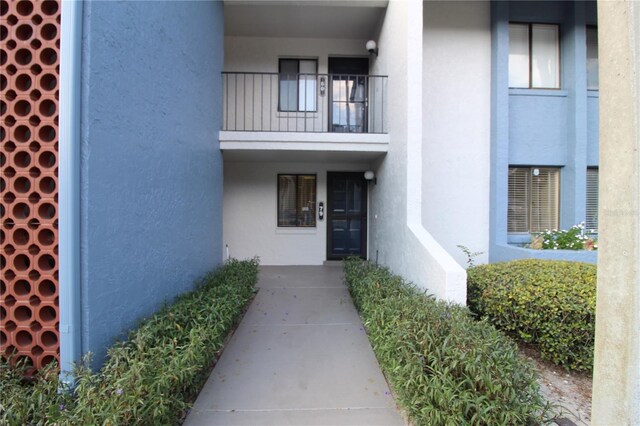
[151, 377]
[546, 302]
[445, 367]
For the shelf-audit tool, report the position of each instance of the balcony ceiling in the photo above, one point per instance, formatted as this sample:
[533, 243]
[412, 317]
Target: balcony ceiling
[303, 19]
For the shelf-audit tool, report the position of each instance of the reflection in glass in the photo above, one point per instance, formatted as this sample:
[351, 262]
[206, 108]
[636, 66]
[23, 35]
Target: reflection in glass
[349, 103]
[519, 55]
[545, 56]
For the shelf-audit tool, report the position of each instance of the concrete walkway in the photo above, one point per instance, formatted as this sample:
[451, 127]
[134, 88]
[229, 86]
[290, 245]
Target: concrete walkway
[299, 357]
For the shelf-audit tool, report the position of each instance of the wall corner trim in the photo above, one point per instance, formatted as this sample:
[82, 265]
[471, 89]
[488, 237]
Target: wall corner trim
[69, 193]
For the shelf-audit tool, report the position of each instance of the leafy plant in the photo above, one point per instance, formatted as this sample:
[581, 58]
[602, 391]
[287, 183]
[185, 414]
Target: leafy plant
[546, 302]
[574, 238]
[445, 368]
[27, 399]
[149, 378]
[471, 256]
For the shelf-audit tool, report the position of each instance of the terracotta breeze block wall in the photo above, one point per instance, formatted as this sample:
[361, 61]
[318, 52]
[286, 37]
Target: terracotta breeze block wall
[30, 38]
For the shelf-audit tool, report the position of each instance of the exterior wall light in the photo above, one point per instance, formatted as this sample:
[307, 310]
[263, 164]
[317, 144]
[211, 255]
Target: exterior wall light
[372, 47]
[369, 176]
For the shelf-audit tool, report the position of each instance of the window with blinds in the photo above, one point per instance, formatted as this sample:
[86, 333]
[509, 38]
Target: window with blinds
[296, 200]
[591, 221]
[534, 199]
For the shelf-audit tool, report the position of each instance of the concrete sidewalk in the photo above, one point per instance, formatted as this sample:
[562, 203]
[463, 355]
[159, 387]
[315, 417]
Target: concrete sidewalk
[299, 357]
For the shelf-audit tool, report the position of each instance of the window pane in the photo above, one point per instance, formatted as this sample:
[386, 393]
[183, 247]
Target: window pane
[287, 200]
[307, 86]
[591, 222]
[545, 191]
[518, 55]
[592, 58]
[341, 88]
[306, 201]
[545, 67]
[307, 66]
[518, 213]
[288, 84]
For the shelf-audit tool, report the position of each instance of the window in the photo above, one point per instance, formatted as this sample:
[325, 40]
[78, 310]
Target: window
[591, 222]
[297, 79]
[297, 200]
[592, 58]
[534, 194]
[534, 56]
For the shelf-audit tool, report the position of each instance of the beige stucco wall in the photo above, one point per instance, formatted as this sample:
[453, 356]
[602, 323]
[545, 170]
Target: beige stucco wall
[616, 385]
[250, 212]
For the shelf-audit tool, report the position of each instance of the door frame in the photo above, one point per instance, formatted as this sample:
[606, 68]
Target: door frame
[364, 215]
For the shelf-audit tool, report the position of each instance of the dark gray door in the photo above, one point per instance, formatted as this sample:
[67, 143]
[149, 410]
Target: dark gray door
[346, 215]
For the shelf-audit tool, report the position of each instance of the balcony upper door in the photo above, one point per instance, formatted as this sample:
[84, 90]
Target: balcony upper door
[348, 95]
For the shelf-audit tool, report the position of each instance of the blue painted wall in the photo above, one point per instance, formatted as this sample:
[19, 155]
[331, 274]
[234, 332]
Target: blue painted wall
[151, 169]
[538, 127]
[542, 127]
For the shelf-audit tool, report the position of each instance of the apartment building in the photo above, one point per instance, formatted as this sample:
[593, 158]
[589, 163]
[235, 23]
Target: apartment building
[299, 132]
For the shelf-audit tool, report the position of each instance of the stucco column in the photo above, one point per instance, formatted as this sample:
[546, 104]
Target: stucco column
[616, 386]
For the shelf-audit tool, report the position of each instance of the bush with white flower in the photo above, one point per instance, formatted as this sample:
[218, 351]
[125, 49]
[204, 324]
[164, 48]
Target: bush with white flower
[575, 238]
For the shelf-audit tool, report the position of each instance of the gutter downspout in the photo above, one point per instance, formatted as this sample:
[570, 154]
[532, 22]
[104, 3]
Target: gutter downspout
[69, 194]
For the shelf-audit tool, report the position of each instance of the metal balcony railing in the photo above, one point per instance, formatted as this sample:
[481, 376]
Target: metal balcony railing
[272, 102]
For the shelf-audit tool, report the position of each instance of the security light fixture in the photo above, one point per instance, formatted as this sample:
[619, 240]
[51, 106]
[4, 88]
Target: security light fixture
[370, 176]
[372, 47]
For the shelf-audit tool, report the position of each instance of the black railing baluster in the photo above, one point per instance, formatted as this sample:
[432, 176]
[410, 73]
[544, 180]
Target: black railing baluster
[253, 95]
[362, 113]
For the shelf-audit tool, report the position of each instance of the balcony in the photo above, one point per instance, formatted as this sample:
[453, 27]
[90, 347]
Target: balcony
[303, 111]
[316, 103]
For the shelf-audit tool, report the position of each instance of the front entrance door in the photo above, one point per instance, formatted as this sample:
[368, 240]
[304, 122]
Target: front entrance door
[348, 95]
[346, 215]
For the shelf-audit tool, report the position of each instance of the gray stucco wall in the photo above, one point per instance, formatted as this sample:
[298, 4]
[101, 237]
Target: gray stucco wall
[151, 168]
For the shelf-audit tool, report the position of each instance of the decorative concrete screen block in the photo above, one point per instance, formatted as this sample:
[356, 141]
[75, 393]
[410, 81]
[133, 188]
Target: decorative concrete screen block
[29, 319]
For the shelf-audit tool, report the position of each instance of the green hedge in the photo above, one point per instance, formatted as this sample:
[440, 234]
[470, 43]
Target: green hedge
[149, 379]
[444, 367]
[546, 302]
